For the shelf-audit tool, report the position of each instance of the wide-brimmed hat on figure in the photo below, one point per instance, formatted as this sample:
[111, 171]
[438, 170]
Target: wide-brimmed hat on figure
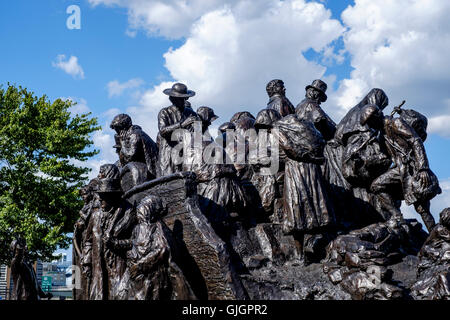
[320, 86]
[179, 90]
[108, 185]
[109, 179]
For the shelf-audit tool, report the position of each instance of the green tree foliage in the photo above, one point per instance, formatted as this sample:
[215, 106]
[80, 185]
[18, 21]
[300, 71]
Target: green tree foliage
[42, 150]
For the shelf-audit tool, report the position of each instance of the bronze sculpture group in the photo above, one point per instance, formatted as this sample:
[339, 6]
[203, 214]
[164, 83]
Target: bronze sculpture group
[334, 201]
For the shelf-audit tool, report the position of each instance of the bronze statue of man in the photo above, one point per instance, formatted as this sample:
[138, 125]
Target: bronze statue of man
[278, 101]
[91, 204]
[25, 282]
[119, 220]
[177, 116]
[309, 109]
[114, 218]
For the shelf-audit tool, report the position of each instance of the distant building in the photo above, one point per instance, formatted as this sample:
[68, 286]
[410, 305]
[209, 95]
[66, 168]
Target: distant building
[60, 271]
[56, 272]
[3, 281]
[38, 268]
[62, 259]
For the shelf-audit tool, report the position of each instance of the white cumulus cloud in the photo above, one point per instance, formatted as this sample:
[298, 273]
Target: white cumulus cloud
[230, 54]
[104, 142]
[440, 125]
[69, 66]
[173, 18]
[116, 88]
[79, 105]
[401, 46]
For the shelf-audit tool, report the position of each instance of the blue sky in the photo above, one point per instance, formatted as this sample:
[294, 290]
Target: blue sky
[34, 33]
[121, 40]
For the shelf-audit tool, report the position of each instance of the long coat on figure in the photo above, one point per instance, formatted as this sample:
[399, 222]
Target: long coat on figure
[152, 271]
[310, 110]
[80, 236]
[306, 203]
[357, 157]
[363, 157]
[159, 277]
[93, 257]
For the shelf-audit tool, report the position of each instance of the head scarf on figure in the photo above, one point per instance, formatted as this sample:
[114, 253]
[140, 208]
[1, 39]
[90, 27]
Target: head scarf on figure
[351, 123]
